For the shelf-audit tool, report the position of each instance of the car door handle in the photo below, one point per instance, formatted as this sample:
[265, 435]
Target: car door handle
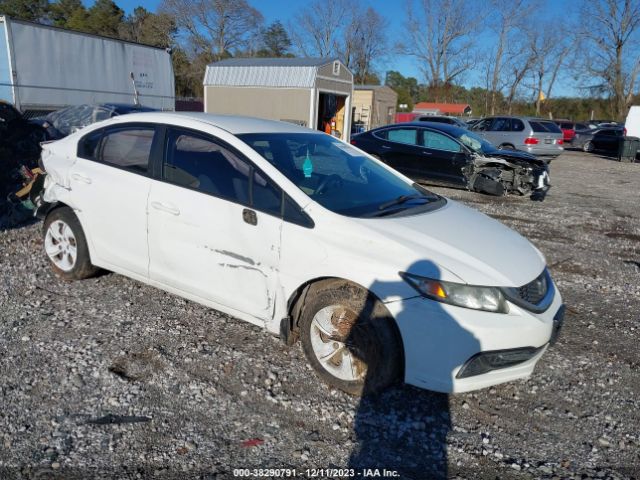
[81, 178]
[166, 208]
[424, 152]
[387, 147]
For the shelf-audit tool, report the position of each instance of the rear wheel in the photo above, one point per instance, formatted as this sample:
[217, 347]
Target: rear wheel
[66, 246]
[588, 147]
[350, 338]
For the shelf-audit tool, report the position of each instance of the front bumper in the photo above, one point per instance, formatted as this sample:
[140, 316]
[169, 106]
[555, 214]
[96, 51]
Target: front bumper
[439, 339]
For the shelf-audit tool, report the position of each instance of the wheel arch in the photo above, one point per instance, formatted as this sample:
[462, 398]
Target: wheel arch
[289, 329]
[49, 208]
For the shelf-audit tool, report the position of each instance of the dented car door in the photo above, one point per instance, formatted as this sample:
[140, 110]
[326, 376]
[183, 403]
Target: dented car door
[205, 236]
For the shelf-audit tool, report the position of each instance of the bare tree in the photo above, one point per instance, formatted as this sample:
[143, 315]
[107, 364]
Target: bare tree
[440, 36]
[611, 41]
[506, 21]
[370, 42]
[548, 47]
[343, 29]
[216, 26]
[317, 28]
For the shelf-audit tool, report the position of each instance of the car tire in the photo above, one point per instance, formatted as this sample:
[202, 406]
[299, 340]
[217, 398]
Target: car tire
[350, 338]
[66, 245]
[588, 147]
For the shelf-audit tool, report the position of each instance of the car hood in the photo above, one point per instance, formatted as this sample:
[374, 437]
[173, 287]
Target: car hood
[514, 155]
[473, 247]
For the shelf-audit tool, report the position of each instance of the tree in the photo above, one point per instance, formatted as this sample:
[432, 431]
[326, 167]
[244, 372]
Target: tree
[343, 29]
[62, 11]
[610, 41]
[149, 28]
[104, 18]
[33, 10]
[370, 43]
[318, 27]
[548, 48]
[406, 88]
[275, 41]
[506, 22]
[217, 27]
[440, 37]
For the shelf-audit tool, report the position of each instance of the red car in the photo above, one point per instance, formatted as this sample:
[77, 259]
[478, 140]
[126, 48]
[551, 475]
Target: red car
[568, 129]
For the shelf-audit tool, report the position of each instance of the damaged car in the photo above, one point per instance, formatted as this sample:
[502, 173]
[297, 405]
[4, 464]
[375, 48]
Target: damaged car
[446, 155]
[63, 122]
[20, 140]
[307, 237]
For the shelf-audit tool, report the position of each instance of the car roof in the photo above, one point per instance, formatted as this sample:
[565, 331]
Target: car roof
[234, 124]
[452, 130]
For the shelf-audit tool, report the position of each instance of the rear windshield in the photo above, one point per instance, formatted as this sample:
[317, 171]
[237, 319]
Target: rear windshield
[436, 119]
[544, 127]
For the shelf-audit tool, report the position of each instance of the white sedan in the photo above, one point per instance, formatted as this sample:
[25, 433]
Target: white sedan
[308, 237]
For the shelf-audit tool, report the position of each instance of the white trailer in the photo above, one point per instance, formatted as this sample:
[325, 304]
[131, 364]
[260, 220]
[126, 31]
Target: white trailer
[45, 68]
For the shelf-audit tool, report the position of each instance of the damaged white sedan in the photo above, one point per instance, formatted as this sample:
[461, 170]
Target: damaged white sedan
[305, 235]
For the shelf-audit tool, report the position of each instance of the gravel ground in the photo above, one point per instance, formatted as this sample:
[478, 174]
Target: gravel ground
[109, 378]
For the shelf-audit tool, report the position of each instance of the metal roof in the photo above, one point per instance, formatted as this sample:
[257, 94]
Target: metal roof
[266, 72]
[274, 62]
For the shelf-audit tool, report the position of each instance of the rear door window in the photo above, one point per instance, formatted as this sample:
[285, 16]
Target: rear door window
[544, 127]
[517, 125]
[88, 145]
[128, 148]
[403, 135]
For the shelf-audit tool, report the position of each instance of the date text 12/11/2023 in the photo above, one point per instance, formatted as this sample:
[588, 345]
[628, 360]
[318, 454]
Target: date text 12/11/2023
[314, 473]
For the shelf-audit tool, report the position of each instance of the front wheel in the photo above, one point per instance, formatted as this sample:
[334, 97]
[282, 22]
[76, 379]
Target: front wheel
[66, 246]
[588, 147]
[350, 338]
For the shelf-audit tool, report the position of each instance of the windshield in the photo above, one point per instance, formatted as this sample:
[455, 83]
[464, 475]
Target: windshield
[340, 177]
[476, 143]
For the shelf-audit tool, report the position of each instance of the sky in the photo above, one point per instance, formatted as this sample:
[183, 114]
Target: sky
[393, 11]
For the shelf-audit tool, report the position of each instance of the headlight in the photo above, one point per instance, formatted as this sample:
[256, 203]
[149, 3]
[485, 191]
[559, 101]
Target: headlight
[489, 299]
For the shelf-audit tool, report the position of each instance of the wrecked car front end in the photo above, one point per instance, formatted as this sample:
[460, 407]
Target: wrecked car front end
[503, 174]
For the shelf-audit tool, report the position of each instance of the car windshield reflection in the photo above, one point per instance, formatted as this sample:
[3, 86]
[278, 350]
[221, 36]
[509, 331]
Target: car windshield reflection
[338, 176]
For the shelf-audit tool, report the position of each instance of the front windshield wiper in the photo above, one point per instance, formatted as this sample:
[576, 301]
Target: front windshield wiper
[403, 199]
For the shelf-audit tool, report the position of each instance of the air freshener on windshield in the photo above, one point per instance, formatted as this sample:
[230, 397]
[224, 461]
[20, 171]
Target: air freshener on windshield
[307, 166]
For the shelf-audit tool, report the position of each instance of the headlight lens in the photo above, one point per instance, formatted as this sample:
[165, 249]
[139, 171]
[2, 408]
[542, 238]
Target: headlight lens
[489, 299]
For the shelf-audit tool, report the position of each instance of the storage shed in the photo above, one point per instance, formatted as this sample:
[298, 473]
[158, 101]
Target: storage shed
[312, 92]
[373, 106]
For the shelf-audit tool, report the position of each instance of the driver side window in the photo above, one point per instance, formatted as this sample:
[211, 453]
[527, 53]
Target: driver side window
[482, 125]
[438, 141]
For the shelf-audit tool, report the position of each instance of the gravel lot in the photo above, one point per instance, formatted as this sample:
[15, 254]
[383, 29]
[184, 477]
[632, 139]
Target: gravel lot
[109, 378]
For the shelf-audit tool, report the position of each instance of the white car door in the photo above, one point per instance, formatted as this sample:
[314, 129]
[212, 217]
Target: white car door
[214, 225]
[110, 184]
